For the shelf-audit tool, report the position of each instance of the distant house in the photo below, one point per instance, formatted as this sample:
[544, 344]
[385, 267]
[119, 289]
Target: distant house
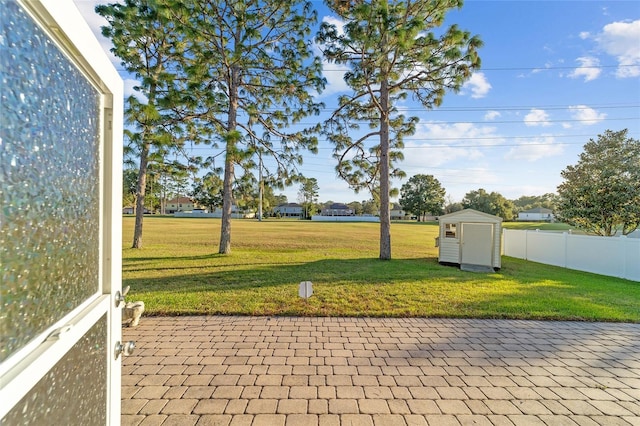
[537, 214]
[288, 210]
[397, 213]
[132, 210]
[179, 204]
[236, 213]
[337, 209]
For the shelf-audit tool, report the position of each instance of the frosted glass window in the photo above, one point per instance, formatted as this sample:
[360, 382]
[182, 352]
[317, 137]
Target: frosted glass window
[74, 391]
[49, 182]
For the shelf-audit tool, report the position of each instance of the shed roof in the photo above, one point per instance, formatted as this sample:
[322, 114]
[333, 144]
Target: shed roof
[470, 211]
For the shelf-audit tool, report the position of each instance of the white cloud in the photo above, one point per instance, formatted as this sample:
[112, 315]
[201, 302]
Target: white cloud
[129, 84]
[537, 117]
[586, 115]
[535, 150]
[338, 23]
[584, 35]
[334, 73]
[620, 39]
[435, 144]
[546, 67]
[587, 69]
[478, 85]
[492, 115]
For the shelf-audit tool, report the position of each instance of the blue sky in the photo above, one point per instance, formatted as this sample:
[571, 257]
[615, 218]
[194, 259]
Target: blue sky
[554, 74]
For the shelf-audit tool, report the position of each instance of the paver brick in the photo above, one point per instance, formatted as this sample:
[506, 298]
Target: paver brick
[262, 406]
[318, 406]
[295, 380]
[442, 419]
[415, 420]
[498, 406]
[153, 406]
[302, 420]
[356, 419]
[210, 406]
[269, 420]
[611, 408]
[531, 407]
[292, 406]
[373, 406]
[329, 420]
[349, 392]
[450, 406]
[180, 420]
[451, 393]
[473, 420]
[180, 406]
[388, 420]
[343, 406]
[423, 406]
[526, 420]
[215, 420]
[152, 420]
[132, 406]
[177, 380]
[151, 392]
[175, 392]
[581, 408]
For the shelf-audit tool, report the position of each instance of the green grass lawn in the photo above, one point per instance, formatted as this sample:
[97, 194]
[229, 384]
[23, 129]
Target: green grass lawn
[179, 272]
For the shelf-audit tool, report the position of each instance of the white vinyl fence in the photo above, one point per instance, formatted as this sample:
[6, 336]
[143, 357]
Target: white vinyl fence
[613, 256]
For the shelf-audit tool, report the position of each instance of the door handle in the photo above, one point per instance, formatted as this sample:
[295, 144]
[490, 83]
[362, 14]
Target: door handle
[125, 349]
[119, 297]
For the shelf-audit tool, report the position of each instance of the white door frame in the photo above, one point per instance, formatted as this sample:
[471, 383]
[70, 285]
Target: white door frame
[61, 20]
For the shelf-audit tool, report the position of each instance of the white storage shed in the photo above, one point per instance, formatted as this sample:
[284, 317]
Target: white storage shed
[471, 239]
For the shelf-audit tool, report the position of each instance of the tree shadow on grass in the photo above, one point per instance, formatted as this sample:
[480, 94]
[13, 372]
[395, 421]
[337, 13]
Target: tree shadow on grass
[400, 287]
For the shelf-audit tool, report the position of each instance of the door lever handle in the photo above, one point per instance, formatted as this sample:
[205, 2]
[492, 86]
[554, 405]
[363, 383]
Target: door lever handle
[119, 297]
[125, 349]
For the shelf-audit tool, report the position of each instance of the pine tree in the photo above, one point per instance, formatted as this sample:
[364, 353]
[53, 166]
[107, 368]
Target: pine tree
[251, 67]
[393, 52]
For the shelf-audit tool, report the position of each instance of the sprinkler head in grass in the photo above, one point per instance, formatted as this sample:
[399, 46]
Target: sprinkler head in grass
[305, 290]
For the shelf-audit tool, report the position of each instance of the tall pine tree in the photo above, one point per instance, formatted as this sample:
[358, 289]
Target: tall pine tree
[393, 52]
[252, 68]
[143, 38]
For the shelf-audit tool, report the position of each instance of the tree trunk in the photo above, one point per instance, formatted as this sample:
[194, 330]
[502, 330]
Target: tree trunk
[385, 213]
[140, 193]
[232, 139]
[227, 202]
[260, 190]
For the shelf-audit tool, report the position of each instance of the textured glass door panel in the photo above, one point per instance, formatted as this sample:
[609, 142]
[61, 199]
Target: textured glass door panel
[49, 182]
[74, 391]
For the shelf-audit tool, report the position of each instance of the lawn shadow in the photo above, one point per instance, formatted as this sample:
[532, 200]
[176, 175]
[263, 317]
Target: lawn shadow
[399, 287]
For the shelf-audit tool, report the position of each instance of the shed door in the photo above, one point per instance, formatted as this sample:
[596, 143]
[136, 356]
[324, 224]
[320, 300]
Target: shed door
[477, 244]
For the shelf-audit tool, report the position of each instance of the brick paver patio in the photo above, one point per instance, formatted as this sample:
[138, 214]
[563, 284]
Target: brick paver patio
[213, 370]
